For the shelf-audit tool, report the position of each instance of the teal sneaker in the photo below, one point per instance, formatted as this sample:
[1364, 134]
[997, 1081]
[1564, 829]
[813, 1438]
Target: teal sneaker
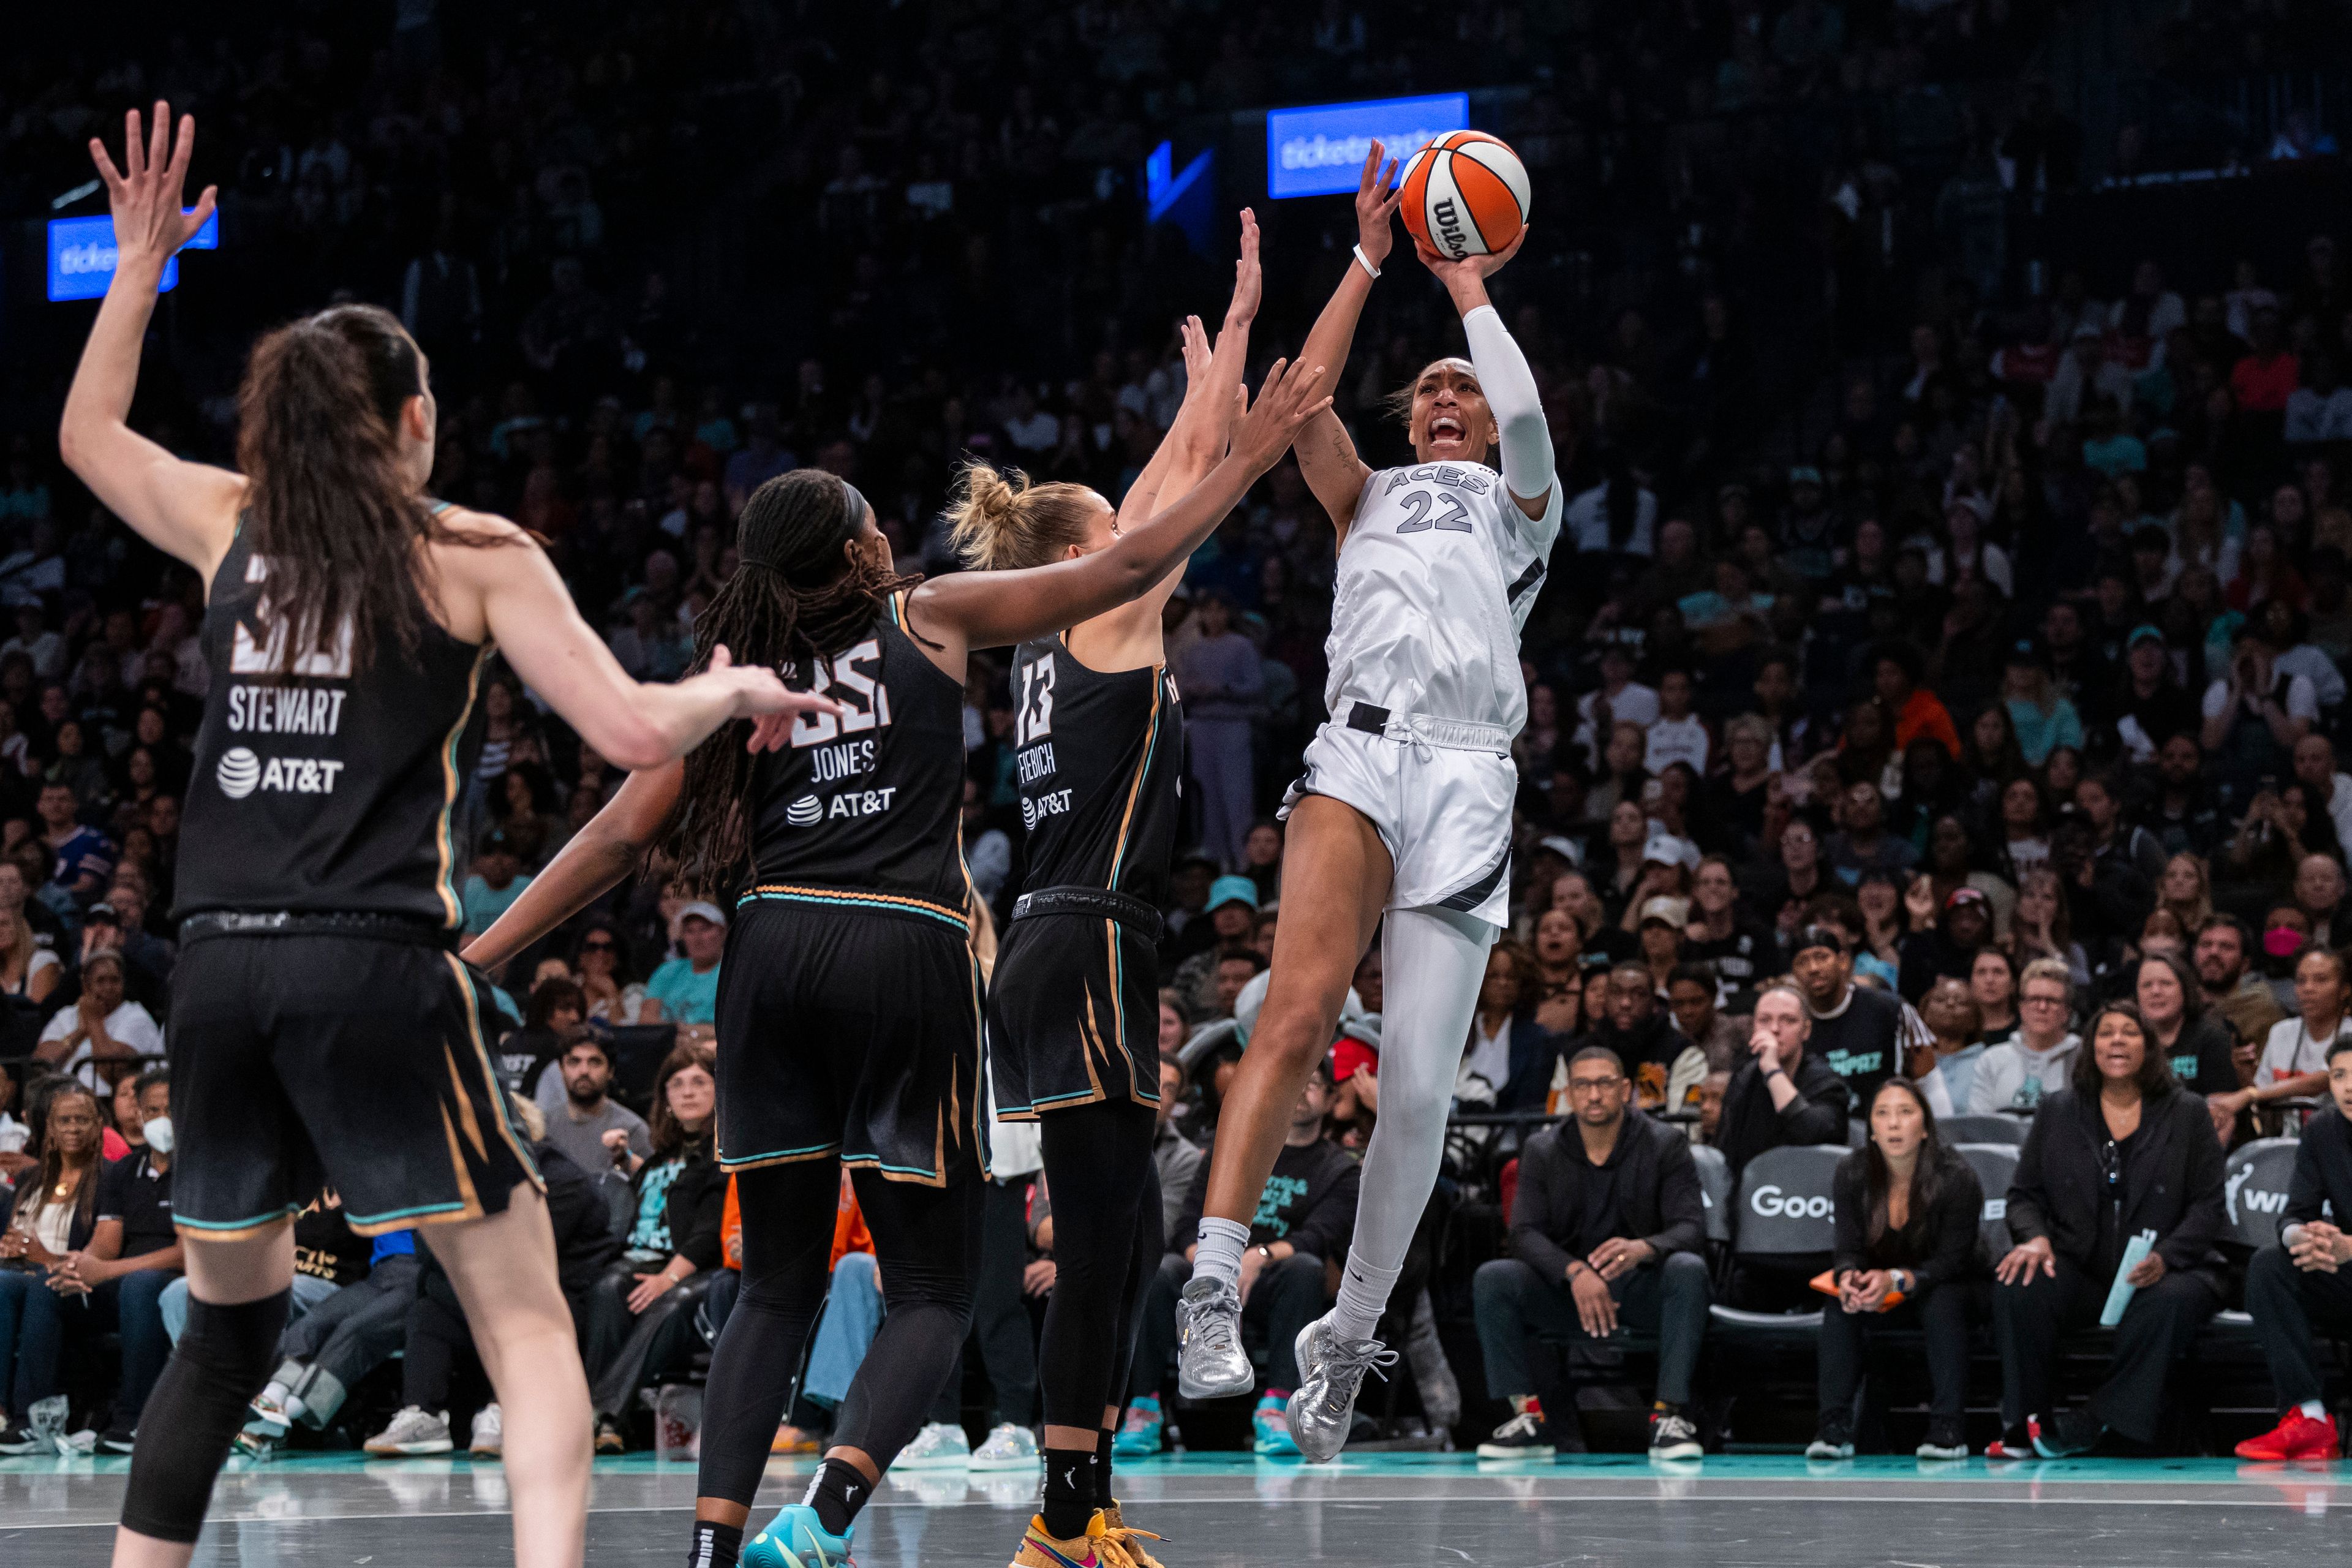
[793, 1539]
[1139, 1434]
[1271, 1424]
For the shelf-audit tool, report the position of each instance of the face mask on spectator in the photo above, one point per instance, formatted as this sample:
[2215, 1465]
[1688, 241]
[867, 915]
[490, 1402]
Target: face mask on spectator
[157, 1130]
[2282, 941]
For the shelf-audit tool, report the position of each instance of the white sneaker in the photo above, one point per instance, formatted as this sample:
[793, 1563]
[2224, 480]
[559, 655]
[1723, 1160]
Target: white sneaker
[490, 1432]
[939, 1446]
[412, 1432]
[1008, 1448]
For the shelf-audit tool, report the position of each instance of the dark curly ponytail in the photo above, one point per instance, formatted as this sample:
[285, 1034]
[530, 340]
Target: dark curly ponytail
[792, 600]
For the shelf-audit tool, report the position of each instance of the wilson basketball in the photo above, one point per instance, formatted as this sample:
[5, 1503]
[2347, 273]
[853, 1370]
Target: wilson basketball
[1466, 194]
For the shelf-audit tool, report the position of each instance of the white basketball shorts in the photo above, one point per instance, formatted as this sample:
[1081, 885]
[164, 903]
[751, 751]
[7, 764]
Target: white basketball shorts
[1443, 812]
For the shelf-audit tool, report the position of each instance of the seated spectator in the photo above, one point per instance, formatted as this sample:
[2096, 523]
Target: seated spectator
[27, 970]
[1176, 1158]
[2015, 1077]
[854, 1310]
[81, 858]
[1509, 1055]
[121, 923]
[2295, 1059]
[1710, 1042]
[1861, 1032]
[595, 1130]
[1962, 928]
[1741, 951]
[555, 1015]
[602, 962]
[1992, 985]
[1304, 1221]
[2223, 958]
[2122, 1151]
[323, 1354]
[438, 1341]
[134, 1255]
[498, 880]
[1907, 1212]
[1783, 1093]
[1607, 1229]
[1945, 1069]
[2195, 1045]
[685, 989]
[1862, 842]
[1643, 1036]
[643, 1305]
[103, 1027]
[53, 1213]
[2296, 1289]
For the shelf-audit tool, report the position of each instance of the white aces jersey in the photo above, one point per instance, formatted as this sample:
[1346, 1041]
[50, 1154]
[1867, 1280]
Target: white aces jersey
[1436, 577]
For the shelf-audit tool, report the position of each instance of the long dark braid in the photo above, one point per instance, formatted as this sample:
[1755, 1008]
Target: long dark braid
[790, 601]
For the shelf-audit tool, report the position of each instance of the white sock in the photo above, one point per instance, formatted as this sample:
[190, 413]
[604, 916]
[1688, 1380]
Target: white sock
[274, 1394]
[2315, 1409]
[1363, 1295]
[1220, 1244]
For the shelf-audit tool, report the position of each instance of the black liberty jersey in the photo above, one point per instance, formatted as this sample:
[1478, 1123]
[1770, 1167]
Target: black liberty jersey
[1099, 754]
[325, 790]
[863, 810]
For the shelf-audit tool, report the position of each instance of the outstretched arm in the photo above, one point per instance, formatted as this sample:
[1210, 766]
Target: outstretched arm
[994, 610]
[1326, 456]
[186, 509]
[1503, 374]
[595, 859]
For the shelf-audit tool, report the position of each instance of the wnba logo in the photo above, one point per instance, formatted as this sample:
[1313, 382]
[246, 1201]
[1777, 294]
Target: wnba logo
[805, 812]
[238, 772]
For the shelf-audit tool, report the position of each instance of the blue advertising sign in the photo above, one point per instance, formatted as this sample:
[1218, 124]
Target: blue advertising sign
[82, 255]
[1319, 150]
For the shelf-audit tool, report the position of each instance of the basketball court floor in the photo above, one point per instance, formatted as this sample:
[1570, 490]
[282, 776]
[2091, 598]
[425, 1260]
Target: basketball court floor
[1225, 1511]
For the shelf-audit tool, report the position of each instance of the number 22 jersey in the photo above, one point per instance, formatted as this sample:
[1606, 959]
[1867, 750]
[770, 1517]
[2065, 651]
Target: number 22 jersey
[1436, 577]
[862, 810]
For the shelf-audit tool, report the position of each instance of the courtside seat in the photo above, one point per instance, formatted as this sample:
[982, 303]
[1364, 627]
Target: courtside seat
[2006, 1130]
[1783, 1226]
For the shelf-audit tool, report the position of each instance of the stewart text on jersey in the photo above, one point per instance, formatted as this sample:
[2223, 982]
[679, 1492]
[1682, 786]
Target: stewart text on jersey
[860, 810]
[322, 788]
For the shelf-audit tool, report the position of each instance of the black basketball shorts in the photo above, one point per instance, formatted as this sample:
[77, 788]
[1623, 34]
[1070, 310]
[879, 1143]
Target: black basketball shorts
[849, 1033]
[1073, 1016]
[356, 1062]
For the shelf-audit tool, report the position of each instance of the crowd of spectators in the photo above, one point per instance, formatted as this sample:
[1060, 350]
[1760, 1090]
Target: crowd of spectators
[2013, 695]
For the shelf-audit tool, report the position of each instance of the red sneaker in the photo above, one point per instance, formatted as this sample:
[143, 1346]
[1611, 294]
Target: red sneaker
[2296, 1436]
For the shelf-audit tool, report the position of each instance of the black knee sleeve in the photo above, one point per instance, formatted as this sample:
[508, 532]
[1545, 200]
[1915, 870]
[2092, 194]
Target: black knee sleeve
[223, 1359]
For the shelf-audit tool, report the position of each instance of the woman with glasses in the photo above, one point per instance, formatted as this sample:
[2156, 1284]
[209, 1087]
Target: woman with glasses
[602, 962]
[2122, 1152]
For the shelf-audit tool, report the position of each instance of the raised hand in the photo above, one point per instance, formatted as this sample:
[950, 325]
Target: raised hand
[1291, 395]
[1378, 196]
[1194, 339]
[762, 697]
[144, 193]
[1249, 279]
[1470, 268]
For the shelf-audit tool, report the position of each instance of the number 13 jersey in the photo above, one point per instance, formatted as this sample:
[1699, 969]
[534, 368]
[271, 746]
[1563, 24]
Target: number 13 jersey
[1436, 577]
[862, 810]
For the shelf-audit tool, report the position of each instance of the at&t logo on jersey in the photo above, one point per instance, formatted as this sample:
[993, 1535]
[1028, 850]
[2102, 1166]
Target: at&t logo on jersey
[1035, 809]
[805, 812]
[241, 773]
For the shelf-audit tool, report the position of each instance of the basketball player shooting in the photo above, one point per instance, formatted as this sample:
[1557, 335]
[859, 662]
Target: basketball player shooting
[1404, 811]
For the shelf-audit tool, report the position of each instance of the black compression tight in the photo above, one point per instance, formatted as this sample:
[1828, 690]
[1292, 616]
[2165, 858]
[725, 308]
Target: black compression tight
[925, 1240]
[222, 1359]
[1106, 1248]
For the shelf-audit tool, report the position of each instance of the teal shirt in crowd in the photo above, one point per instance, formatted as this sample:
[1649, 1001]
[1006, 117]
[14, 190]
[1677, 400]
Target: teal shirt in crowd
[685, 997]
[2039, 733]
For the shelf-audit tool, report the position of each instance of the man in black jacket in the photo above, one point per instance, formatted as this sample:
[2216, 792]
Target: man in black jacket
[1784, 1092]
[2301, 1282]
[1607, 1228]
[1305, 1219]
[1632, 1026]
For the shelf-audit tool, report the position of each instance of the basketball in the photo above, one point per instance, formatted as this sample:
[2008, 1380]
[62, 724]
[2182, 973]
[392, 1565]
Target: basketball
[1466, 194]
